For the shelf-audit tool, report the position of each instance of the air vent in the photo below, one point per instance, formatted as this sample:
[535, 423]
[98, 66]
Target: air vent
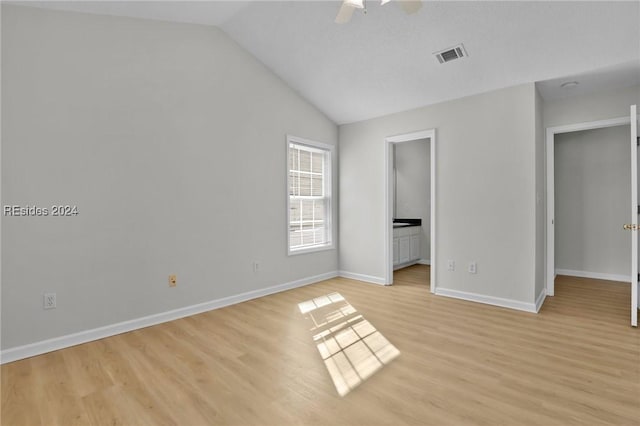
[451, 54]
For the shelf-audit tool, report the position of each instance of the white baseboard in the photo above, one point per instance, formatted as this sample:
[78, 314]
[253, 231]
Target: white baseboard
[405, 265]
[44, 346]
[424, 261]
[540, 299]
[489, 300]
[594, 275]
[362, 277]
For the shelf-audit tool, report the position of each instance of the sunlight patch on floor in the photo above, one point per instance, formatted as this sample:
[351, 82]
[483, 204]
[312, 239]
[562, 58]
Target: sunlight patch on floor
[350, 346]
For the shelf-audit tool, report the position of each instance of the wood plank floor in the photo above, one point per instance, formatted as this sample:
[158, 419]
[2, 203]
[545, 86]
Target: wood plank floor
[460, 363]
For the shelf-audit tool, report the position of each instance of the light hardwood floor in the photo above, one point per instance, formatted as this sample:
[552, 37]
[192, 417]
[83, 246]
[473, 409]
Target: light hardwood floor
[576, 362]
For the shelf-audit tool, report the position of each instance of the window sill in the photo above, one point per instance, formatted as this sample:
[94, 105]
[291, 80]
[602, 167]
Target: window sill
[310, 250]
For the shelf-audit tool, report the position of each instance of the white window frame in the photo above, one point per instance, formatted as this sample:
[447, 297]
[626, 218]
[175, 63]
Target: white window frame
[328, 183]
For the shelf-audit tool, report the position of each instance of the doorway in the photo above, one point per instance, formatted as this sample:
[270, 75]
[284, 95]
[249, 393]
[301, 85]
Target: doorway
[592, 177]
[550, 148]
[390, 198]
[551, 133]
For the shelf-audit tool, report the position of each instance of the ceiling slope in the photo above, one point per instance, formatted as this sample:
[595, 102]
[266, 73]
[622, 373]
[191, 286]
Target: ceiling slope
[382, 62]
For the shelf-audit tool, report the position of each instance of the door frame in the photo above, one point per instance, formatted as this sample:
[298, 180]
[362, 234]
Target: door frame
[633, 117]
[550, 165]
[389, 195]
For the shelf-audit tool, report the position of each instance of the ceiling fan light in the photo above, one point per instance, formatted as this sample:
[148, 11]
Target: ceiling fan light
[358, 4]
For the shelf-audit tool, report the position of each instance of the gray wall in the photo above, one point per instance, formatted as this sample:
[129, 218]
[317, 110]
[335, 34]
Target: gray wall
[592, 187]
[170, 139]
[592, 107]
[413, 187]
[485, 195]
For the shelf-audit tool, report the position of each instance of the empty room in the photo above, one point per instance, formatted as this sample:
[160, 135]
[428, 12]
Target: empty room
[349, 212]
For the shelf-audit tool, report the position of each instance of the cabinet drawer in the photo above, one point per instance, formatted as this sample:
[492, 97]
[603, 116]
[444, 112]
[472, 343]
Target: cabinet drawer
[406, 231]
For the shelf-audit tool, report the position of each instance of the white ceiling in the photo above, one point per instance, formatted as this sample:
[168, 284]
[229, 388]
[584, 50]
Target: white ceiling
[193, 12]
[612, 77]
[382, 62]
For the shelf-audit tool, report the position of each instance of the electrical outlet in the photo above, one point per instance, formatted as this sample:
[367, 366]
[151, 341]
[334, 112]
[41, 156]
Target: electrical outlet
[451, 265]
[256, 266]
[473, 267]
[173, 280]
[49, 301]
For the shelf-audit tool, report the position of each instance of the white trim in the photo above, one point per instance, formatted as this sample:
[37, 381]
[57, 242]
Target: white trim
[594, 275]
[311, 249]
[551, 233]
[424, 262]
[388, 197]
[540, 299]
[44, 346]
[488, 300]
[1, 198]
[362, 277]
[308, 142]
[432, 226]
[550, 164]
[388, 214]
[405, 265]
[330, 152]
[633, 121]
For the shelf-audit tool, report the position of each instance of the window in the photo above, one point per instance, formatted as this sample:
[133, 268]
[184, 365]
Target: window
[309, 195]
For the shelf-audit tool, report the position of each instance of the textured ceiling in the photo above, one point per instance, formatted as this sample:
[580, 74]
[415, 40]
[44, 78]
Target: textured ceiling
[193, 12]
[382, 62]
[613, 77]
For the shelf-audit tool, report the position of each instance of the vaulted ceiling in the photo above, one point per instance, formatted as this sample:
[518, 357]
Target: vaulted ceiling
[382, 61]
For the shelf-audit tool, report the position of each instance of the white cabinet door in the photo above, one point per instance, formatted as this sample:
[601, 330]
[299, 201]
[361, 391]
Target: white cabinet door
[405, 249]
[415, 247]
[396, 251]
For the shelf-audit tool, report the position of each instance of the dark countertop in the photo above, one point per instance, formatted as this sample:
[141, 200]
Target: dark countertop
[405, 223]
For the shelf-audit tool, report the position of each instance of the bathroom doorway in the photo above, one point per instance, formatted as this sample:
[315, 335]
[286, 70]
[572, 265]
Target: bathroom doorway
[410, 203]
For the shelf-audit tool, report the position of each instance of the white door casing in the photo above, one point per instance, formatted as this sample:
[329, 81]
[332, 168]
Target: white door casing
[635, 234]
[550, 188]
[389, 195]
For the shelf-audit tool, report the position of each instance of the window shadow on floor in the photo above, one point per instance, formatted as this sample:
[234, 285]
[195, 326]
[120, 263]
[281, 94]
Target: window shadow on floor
[350, 346]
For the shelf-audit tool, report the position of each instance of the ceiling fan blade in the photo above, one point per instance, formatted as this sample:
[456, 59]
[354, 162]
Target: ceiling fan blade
[410, 6]
[345, 13]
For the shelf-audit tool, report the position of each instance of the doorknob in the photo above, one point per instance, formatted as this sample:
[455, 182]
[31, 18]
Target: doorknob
[630, 227]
